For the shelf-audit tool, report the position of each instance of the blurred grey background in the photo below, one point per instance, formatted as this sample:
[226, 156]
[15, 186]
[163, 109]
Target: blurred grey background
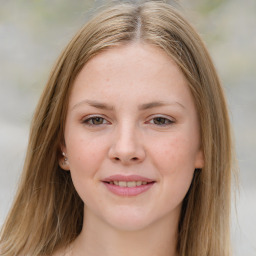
[32, 35]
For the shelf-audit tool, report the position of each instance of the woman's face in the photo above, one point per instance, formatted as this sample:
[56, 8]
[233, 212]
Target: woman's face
[132, 137]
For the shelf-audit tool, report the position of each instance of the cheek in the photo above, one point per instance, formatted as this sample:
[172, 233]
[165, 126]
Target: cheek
[86, 156]
[174, 154]
[174, 160]
[84, 150]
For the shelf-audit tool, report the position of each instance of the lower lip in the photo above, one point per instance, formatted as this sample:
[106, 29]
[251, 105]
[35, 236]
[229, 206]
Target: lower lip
[128, 191]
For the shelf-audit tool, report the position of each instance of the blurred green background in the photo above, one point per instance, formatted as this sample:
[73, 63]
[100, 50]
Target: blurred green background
[32, 35]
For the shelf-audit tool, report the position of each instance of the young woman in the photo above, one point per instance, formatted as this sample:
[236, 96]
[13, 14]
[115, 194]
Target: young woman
[130, 148]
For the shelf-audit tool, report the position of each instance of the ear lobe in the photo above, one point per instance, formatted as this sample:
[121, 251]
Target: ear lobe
[199, 161]
[64, 164]
[63, 160]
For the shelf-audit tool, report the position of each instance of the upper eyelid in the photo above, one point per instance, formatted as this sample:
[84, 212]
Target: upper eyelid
[93, 116]
[162, 116]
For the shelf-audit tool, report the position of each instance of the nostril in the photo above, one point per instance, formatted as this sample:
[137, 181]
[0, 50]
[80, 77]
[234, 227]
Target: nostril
[134, 159]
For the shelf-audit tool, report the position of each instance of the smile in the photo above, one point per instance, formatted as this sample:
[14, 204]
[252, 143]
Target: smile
[132, 185]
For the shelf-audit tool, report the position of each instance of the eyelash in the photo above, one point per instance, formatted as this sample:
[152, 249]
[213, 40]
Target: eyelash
[89, 121]
[167, 121]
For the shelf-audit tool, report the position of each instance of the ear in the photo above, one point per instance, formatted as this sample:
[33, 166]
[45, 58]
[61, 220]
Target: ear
[199, 161]
[63, 159]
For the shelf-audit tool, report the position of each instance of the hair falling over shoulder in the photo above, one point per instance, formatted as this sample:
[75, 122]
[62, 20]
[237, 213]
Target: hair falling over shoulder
[47, 213]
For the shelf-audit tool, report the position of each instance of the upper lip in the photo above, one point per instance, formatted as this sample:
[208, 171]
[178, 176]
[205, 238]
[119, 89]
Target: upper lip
[127, 178]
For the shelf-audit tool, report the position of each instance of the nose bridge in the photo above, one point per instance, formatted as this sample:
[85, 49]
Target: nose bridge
[126, 136]
[127, 146]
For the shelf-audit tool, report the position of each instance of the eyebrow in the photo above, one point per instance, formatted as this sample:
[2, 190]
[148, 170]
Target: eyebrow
[145, 106]
[155, 104]
[95, 104]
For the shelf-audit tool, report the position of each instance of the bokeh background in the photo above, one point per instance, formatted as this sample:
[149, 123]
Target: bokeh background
[34, 32]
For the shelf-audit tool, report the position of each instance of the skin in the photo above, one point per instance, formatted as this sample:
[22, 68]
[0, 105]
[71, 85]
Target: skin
[158, 141]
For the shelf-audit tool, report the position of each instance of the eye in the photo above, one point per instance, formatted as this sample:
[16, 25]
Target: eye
[95, 121]
[161, 121]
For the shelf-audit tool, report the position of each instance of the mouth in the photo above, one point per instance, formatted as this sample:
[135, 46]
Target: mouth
[128, 185]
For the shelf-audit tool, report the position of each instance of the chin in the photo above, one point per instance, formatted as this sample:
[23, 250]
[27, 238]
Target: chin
[129, 220]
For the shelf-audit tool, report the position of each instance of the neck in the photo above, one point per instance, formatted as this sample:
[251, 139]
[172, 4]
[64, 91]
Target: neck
[158, 239]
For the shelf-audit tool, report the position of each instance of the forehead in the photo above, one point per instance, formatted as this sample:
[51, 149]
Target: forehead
[124, 57]
[130, 71]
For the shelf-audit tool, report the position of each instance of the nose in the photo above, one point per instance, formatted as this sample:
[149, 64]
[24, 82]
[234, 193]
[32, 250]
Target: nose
[126, 147]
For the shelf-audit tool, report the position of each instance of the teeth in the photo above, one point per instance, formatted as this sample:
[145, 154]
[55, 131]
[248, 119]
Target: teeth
[138, 183]
[122, 184]
[131, 184]
[128, 184]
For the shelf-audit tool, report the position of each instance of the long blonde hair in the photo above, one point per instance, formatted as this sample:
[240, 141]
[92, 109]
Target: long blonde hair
[47, 212]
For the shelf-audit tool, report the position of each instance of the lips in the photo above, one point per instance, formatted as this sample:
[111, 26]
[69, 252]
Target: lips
[131, 185]
[127, 178]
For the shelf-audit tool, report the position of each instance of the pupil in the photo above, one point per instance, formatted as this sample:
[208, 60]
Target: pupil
[97, 120]
[160, 120]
